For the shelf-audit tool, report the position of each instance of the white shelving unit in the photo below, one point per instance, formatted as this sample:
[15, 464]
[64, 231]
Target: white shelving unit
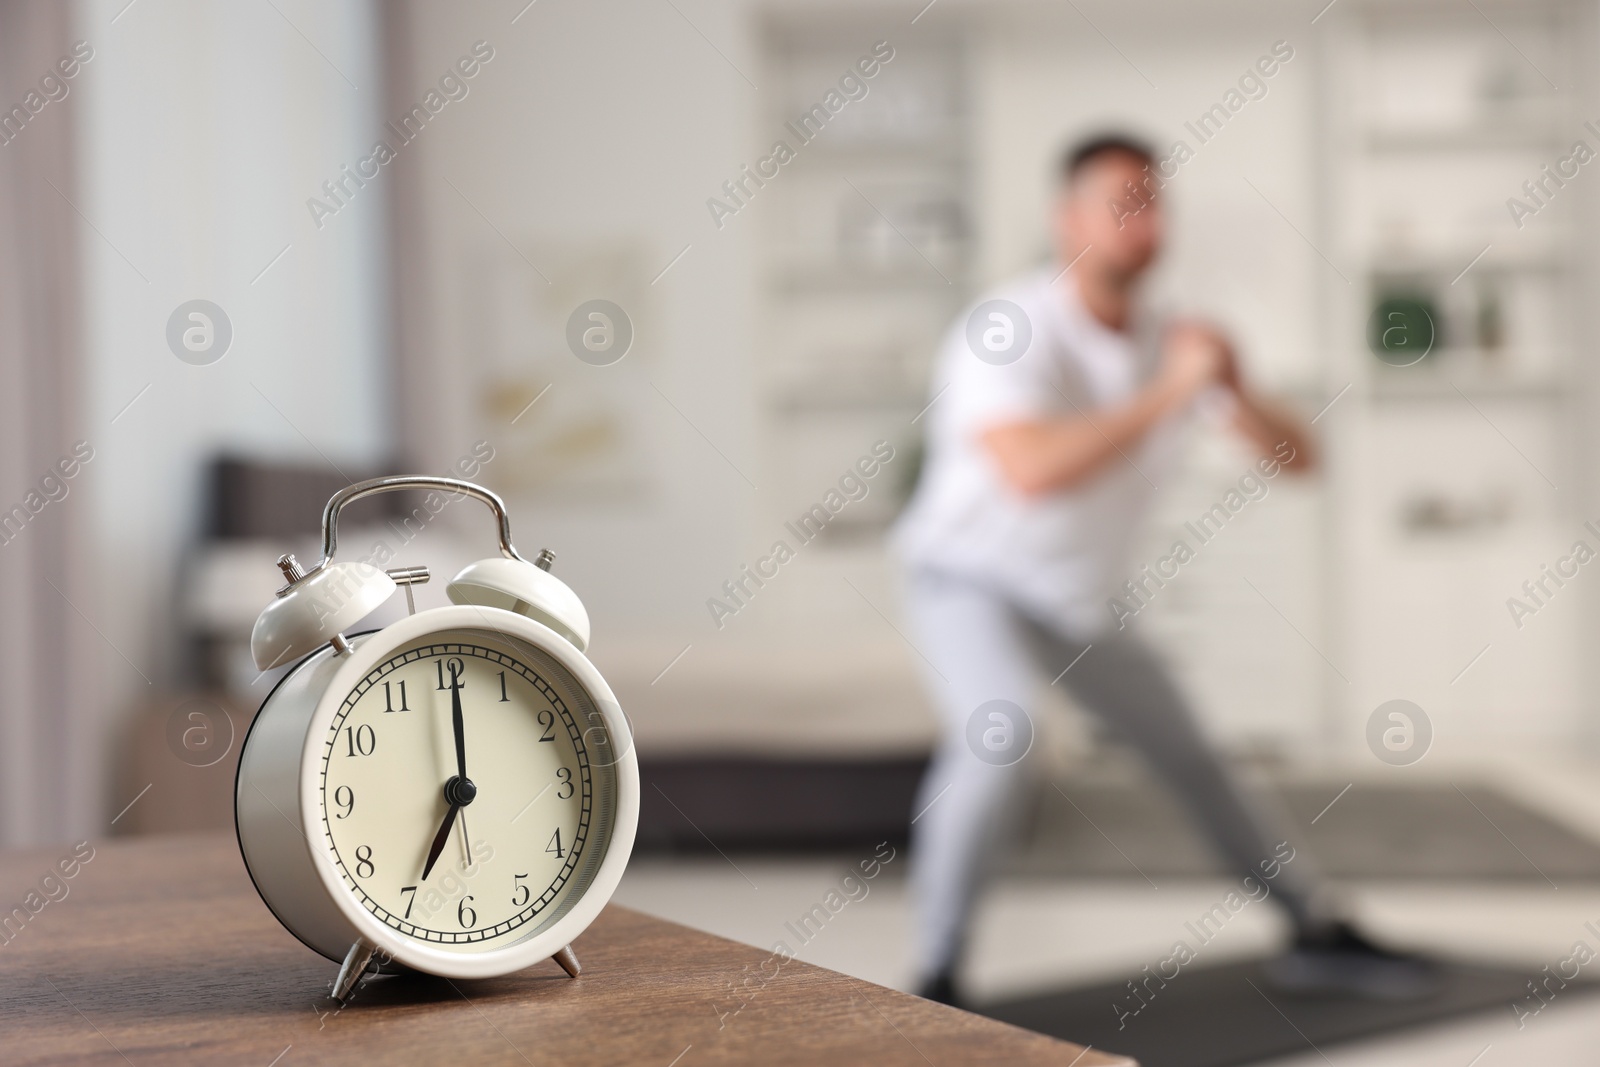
[1463, 473]
[863, 261]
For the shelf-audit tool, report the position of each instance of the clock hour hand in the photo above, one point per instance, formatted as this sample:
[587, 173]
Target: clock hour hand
[439, 839]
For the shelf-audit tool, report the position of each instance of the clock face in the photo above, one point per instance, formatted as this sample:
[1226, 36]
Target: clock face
[472, 867]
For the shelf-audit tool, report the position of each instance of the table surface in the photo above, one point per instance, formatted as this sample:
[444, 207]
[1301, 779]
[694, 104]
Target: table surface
[161, 953]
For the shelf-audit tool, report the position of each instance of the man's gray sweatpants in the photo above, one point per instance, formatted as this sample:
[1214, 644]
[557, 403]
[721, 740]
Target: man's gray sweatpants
[983, 648]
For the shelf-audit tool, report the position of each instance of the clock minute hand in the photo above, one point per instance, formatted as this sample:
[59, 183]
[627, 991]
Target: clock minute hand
[459, 726]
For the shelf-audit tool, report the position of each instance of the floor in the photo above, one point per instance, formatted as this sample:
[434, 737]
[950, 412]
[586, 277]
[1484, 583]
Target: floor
[1034, 933]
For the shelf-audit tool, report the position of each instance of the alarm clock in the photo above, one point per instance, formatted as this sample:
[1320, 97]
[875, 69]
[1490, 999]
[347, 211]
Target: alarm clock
[456, 793]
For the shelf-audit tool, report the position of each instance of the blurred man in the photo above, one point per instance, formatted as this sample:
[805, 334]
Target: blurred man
[1063, 410]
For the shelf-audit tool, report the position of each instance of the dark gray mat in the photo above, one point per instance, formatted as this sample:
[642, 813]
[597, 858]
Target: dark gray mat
[1099, 829]
[1229, 1015]
[766, 805]
[1109, 826]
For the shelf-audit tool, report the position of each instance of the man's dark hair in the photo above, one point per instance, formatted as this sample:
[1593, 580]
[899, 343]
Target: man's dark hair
[1086, 151]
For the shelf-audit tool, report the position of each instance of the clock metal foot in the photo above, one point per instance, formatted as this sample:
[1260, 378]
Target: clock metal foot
[568, 961]
[354, 966]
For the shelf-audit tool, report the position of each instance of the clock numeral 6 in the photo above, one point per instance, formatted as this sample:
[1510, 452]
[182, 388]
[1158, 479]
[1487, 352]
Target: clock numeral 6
[565, 776]
[345, 797]
[360, 740]
[523, 894]
[364, 867]
[464, 913]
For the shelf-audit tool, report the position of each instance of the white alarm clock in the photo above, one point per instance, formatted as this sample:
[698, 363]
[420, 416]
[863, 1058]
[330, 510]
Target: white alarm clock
[456, 793]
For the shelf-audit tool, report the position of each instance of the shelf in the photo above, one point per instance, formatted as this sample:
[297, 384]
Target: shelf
[1486, 138]
[857, 155]
[801, 404]
[1453, 381]
[1450, 264]
[854, 281]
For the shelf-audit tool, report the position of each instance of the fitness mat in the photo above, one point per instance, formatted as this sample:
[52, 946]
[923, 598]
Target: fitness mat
[1437, 831]
[1232, 1015]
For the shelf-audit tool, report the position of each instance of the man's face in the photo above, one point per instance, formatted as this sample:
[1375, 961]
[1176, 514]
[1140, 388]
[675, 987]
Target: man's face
[1097, 210]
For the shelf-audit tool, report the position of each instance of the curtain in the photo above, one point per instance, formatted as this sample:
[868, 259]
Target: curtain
[52, 758]
[417, 372]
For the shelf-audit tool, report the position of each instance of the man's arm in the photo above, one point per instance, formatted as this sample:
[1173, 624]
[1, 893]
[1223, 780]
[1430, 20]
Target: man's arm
[1039, 456]
[1264, 423]
[1268, 425]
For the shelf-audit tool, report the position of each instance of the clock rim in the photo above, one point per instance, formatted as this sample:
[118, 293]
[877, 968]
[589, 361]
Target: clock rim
[518, 955]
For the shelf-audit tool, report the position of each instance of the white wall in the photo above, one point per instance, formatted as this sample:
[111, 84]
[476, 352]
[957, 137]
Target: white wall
[204, 129]
[598, 126]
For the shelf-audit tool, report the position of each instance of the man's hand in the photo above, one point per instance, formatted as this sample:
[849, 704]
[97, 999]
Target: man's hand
[1266, 424]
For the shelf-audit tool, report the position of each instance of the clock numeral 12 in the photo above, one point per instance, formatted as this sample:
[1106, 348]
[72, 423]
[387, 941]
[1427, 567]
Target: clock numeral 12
[388, 698]
[457, 670]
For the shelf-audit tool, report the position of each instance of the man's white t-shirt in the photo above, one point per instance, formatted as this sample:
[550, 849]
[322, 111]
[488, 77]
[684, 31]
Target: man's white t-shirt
[1062, 554]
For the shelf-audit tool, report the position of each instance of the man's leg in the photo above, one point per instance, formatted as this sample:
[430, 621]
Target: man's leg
[1122, 682]
[977, 650]
[1127, 687]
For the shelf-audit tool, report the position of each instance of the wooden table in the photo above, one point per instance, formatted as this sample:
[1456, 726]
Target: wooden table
[161, 953]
